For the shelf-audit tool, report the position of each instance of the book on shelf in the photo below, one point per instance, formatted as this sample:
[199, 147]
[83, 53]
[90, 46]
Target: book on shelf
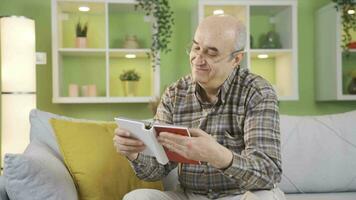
[148, 135]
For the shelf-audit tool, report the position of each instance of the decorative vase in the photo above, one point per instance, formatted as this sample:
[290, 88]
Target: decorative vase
[85, 91]
[130, 88]
[131, 42]
[92, 91]
[271, 41]
[81, 42]
[73, 90]
[352, 86]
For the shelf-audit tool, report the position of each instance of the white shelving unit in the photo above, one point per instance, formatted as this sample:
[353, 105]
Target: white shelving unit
[101, 63]
[333, 68]
[259, 17]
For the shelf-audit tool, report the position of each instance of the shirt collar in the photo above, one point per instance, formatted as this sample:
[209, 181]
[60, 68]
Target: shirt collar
[227, 84]
[223, 90]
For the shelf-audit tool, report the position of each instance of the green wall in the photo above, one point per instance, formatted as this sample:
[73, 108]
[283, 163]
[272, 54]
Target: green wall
[173, 64]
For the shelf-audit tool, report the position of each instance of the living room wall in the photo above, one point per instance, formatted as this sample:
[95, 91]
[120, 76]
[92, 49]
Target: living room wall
[173, 66]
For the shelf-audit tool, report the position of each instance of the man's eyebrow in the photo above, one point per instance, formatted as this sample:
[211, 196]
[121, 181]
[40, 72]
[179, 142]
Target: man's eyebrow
[210, 48]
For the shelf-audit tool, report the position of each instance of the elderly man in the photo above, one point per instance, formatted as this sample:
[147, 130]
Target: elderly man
[233, 118]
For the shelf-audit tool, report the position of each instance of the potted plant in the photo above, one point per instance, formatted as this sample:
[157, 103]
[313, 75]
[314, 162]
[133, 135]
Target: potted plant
[130, 80]
[162, 15]
[81, 33]
[348, 20]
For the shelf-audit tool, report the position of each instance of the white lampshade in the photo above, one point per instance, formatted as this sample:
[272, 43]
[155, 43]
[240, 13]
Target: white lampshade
[18, 55]
[15, 126]
[18, 82]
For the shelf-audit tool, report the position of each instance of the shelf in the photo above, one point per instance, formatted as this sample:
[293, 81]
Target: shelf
[238, 11]
[273, 20]
[68, 15]
[120, 53]
[265, 22]
[348, 97]
[124, 21]
[334, 67]
[270, 11]
[117, 65]
[270, 50]
[112, 25]
[81, 51]
[82, 70]
[72, 7]
[102, 99]
[272, 53]
[277, 69]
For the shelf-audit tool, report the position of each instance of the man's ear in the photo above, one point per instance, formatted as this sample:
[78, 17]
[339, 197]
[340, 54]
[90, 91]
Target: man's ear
[238, 58]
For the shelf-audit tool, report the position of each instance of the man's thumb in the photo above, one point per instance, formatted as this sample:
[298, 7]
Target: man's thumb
[196, 132]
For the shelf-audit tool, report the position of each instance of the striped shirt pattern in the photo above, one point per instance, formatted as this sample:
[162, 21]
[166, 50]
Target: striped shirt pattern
[244, 119]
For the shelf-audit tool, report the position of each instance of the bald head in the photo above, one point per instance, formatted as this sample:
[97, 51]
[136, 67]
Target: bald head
[225, 28]
[213, 53]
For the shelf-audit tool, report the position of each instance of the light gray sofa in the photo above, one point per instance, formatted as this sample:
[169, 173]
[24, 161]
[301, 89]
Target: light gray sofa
[318, 153]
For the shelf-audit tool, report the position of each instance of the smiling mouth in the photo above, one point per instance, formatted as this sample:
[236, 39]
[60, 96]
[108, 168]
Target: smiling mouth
[203, 69]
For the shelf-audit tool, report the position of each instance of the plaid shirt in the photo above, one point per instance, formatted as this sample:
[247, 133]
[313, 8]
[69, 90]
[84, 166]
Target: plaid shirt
[245, 119]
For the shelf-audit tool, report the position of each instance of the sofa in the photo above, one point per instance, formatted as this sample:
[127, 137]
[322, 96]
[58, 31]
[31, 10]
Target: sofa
[318, 155]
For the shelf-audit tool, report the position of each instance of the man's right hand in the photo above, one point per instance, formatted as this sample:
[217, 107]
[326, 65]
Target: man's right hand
[127, 145]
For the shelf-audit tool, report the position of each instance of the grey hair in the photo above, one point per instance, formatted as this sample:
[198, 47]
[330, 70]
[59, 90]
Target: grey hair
[240, 36]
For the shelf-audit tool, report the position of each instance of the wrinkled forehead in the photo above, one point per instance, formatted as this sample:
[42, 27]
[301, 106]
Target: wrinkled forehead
[219, 36]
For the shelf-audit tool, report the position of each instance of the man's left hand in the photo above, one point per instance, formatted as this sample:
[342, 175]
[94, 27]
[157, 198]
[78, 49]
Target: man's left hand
[201, 146]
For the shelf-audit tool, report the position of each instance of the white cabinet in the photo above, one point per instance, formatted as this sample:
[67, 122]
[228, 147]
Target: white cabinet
[271, 49]
[334, 67]
[98, 65]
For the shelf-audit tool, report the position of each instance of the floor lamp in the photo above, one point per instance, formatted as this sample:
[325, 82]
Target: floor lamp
[18, 82]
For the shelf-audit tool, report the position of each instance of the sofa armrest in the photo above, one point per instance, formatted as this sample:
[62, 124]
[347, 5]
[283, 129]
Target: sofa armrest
[3, 194]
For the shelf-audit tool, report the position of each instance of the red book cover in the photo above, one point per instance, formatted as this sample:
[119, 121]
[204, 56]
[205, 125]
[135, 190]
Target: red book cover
[172, 156]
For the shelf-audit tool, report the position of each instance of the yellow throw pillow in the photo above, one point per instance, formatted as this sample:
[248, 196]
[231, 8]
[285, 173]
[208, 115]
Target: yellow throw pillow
[98, 171]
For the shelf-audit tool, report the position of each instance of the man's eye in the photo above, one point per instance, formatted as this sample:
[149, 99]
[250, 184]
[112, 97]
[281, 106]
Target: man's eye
[196, 48]
[212, 53]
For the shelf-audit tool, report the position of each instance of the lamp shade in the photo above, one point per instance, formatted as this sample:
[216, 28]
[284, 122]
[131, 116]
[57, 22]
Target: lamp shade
[18, 55]
[18, 82]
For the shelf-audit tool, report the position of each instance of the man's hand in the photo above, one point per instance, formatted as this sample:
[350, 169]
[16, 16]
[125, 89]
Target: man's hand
[201, 146]
[127, 145]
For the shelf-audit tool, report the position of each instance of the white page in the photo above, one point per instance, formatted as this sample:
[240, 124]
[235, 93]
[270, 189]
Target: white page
[153, 148]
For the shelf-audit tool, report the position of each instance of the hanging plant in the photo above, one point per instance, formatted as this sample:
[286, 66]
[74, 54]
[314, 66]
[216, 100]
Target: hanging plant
[348, 20]
[162, 15]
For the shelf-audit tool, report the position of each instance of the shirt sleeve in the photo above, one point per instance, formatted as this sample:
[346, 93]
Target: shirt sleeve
[146, 167]
[259, 164]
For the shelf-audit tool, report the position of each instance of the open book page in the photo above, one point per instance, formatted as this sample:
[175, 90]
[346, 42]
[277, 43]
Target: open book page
[153, 148]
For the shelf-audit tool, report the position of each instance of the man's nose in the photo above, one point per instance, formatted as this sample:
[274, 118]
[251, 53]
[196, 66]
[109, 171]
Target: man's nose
[199, 59]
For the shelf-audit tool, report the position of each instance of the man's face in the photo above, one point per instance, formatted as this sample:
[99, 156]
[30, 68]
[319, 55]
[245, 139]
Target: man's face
[210, 56]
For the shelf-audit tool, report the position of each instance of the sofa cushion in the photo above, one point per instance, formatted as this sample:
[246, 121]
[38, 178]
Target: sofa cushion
[3, 194]
[37, 174]
[97, 169]
[323, 196]
[42, 131]
[318, 153]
